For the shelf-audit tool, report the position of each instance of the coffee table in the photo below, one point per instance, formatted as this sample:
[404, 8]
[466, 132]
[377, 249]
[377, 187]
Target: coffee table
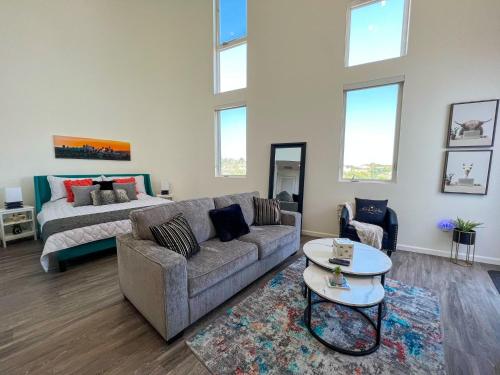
[367, 290]
[366, 261]
[364, 292]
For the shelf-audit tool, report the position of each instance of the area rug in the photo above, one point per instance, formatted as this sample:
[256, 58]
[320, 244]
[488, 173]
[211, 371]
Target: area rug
[266, 334]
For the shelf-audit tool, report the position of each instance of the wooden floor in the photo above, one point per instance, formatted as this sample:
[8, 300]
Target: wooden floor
[78, 321]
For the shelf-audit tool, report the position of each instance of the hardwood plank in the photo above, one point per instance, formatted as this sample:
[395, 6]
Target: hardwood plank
[78, 322]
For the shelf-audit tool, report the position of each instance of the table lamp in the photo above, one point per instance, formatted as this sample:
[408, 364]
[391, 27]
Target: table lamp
[13, 198]
[165, 187]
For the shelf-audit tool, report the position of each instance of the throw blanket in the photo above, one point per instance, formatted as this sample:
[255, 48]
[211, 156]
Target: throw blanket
[369, 234]
[73, 222]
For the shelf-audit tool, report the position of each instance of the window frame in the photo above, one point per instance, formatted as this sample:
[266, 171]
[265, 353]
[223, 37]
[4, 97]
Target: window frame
[218, 159]
[400, 81]
[404, 32]
[218, 48]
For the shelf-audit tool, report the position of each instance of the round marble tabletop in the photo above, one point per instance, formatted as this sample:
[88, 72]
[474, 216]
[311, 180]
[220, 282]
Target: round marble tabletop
[366, 261]
[363, 292]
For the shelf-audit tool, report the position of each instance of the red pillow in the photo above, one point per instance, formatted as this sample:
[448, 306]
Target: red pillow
[130, 180]
[69, 183]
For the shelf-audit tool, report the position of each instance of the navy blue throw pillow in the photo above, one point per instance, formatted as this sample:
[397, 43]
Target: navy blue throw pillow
[105, 185]
[370, 211]
[229, 222]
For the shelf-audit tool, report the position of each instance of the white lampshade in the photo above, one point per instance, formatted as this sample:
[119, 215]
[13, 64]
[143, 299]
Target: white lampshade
[165, 185]
[14, 194]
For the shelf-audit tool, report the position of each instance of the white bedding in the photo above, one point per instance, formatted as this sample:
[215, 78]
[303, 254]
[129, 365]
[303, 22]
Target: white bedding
[61, 209]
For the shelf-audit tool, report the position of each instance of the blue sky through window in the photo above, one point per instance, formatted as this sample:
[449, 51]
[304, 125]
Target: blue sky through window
[233, 68]
[370, 125]
[232, 20]
[233, 133]
[376, 31]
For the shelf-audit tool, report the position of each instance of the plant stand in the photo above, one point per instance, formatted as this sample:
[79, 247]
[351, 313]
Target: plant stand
[469, 241]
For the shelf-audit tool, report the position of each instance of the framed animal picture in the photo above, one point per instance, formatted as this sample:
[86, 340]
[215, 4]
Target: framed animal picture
[472, 124]
[467, 172]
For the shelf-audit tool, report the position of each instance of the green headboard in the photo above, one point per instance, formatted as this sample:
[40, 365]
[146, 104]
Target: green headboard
[42, 188]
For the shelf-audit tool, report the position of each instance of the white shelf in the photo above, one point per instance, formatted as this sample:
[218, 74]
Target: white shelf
[11, 237]
[28, 232]
[18, 222]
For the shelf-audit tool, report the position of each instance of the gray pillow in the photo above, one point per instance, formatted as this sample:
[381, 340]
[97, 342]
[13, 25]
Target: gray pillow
[103, 197]
[121, 196]
[82, 195]
[129, 188]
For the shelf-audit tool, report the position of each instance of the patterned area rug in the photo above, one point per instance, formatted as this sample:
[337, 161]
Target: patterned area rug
[266, 334]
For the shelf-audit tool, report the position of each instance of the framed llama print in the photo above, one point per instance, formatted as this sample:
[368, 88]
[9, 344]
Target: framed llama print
[467, 172]
[473, 124]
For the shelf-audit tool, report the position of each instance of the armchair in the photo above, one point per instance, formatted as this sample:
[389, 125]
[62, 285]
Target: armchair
[390, 227]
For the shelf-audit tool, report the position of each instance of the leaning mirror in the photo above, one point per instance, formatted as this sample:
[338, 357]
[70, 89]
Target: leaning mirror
[286, 175]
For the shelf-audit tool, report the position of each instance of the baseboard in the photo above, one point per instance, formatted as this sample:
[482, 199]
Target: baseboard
[414, 249]
[312, 233]
[446, 254]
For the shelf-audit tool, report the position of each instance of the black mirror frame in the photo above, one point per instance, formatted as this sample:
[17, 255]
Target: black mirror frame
[302, 146]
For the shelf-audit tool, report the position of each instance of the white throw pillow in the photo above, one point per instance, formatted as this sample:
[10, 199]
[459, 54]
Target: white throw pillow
[139, 182]
[57, 188]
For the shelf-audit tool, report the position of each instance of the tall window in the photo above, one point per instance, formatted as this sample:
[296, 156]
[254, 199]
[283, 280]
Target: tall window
[371, 132]
[377, 30]
[230, 45]
[231, 142]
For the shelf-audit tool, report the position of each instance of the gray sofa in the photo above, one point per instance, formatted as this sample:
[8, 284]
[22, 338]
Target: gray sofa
[172, 292]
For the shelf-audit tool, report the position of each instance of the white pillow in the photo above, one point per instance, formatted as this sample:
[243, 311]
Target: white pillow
[139, 181]
[57, 188]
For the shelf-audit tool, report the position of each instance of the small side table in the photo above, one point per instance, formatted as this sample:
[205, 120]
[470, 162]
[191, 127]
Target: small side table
[14, 217]
[169, 197]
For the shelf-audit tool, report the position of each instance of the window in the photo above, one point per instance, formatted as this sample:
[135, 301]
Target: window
[371, 132]
[376, 30]
[231, 152]
[231, 45]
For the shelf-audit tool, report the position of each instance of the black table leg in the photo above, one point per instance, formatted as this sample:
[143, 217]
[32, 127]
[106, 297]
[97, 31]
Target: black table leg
[377, 326]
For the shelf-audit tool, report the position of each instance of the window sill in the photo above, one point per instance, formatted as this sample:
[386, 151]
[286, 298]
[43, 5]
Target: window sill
[383, 182]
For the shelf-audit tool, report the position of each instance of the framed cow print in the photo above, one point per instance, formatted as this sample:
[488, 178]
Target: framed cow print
[473, 124]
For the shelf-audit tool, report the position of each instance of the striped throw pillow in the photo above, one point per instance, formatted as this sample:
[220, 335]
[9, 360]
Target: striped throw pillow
[267, 211]
[176, 235]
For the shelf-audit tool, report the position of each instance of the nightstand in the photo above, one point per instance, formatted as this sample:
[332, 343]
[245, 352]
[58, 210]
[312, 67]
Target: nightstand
[22, 219]
[169, 197]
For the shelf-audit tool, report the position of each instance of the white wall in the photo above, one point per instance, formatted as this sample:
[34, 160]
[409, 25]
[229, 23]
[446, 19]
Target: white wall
[142, 71]
[296, 75]
[123, 70]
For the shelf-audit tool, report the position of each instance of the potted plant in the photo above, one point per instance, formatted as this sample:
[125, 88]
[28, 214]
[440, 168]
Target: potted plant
[464, 231]
[337, 277]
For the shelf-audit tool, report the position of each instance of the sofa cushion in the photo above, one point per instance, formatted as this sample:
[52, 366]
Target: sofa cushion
[245, 200]
[195, 211]
[267, 211]
[176, 235]
[229, 222]
[269, 238]
[216, 261]
[370, 211]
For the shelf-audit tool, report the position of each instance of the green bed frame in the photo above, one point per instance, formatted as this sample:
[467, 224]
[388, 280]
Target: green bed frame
[43, 194]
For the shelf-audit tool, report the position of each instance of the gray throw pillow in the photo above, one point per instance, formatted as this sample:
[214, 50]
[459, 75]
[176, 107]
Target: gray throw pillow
[82, 195]
[103, 197]
[121, 196]
[129, 188]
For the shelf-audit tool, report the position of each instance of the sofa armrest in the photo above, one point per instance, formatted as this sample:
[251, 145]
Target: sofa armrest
[154, 280]
[291, 218]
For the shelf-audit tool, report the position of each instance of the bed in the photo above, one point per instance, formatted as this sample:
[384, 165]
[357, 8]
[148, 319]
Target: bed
[70, 232]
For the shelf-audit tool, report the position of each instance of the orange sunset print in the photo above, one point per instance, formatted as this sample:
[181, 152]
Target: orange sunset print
[89, 148]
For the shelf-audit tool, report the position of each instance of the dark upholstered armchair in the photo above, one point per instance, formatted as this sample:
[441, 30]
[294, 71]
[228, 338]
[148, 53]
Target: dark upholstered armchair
[390, 226]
